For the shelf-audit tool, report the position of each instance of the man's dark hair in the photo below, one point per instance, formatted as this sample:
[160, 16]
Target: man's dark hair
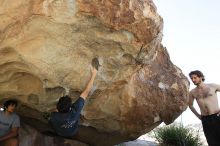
[64, 104]
[10, 102]
[198, 73]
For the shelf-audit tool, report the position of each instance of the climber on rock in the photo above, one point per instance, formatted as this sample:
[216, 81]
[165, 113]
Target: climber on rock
[65, 120]
[9, 124]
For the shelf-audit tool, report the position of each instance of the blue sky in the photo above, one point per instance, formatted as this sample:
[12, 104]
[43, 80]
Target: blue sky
[192, 38]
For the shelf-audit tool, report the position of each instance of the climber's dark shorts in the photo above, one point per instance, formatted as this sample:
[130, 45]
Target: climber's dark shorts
[211, 127]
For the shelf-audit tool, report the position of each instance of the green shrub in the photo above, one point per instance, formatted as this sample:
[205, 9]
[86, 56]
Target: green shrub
[177, 135]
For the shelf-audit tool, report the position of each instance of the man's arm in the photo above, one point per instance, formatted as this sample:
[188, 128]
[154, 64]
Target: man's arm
[12, 133]
[88, 88]
[191, 100]
[217, 87]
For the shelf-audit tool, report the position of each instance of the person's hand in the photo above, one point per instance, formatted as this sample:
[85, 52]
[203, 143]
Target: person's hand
[95, 63]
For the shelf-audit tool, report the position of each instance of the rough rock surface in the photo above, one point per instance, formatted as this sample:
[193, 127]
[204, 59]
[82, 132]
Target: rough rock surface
[31, 137]
[46, 48]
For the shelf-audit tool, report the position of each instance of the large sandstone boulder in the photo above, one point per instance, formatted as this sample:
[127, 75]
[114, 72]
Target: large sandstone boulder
[46, 48]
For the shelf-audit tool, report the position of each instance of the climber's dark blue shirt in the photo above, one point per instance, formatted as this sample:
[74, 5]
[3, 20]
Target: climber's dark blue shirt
[66, 124]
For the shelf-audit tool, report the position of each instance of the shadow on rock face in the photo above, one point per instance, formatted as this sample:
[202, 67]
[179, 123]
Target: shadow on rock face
[37, 131]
